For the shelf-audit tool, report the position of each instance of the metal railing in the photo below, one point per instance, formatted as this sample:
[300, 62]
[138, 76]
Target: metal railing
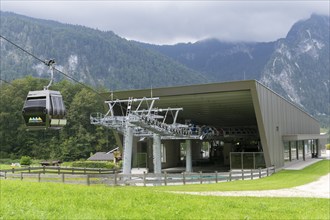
[145, 179]
[247, 160]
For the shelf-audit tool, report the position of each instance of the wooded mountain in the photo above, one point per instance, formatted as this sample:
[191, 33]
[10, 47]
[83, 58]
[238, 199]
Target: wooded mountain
[296, 66]
[95, 57]
[220, 61]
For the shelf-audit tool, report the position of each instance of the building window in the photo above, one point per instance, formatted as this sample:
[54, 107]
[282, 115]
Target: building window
[300, 150]
[293, 147]
[163, 153]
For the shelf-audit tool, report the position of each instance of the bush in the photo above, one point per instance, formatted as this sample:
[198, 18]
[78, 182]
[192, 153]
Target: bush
[8, 161]
[327, 146]
[25, 160]
[94, 164]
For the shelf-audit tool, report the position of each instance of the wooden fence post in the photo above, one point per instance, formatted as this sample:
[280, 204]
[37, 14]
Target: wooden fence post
[62, 177]
[242, 174]
[251, 174]
[13, 170]
[58, 170]
[144, 178]
[39, 179]
[29, 169]
[44, 168]
[72, 170]
[21, 175]
[165, 178]
[259, 173]
[5, 174]
[87, 180]
[216, 176]
[230, 175]
[84, 170]
[201, 177]
[115, 180]
[183, 178]
[267, 171]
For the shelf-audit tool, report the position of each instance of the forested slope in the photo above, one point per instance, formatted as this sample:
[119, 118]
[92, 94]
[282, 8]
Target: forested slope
[98, 58]
[75, 141]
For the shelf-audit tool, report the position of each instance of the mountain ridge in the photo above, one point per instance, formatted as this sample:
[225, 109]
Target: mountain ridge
[295, 66]
[96, 57]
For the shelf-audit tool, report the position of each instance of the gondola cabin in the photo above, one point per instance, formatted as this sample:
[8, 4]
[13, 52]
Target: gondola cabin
[44, 109]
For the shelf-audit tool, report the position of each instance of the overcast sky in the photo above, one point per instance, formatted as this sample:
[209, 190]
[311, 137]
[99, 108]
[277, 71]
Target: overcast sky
[169, 22]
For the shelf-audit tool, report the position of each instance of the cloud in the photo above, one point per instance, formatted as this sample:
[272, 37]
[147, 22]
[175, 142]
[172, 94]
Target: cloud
[177, 21]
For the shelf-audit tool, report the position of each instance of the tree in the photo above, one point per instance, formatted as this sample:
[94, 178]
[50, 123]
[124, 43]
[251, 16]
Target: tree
[75, 141]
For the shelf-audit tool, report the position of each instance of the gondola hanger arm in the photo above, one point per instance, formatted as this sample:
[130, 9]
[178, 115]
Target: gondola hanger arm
[51, 64]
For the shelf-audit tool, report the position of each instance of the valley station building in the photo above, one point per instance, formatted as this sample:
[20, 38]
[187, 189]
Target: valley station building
[255, 128]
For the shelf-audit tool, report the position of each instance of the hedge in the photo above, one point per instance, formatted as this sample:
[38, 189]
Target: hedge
[94, 164]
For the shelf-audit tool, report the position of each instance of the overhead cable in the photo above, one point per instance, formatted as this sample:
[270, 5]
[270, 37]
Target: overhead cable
[6, 82]
[47, 63]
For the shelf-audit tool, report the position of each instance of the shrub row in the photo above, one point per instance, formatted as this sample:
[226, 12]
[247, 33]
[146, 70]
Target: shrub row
[94, 164]
[8, 161]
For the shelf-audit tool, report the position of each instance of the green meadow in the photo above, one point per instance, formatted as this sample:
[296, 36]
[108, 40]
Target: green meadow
[31, 200]
[280, 180]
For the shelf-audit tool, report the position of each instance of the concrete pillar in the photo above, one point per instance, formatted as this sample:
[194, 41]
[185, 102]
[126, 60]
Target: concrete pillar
[188, 156]
[128, 146]
[157, 154]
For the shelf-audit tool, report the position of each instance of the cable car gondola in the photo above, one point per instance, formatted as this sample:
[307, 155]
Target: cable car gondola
[44, 109]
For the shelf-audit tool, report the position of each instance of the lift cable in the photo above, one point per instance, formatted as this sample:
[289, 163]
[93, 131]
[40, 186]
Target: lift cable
[6, 82]
[48, 63]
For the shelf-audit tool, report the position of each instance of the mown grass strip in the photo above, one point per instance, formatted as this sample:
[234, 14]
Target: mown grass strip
[280, 180]
[29, 200]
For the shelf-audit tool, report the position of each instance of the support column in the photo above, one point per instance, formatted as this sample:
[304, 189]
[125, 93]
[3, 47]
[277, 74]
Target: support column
[304, 156]
[157, 154]
[290, 156]
[128, 146]
[297, 150]
[188, 156]
[318, 153]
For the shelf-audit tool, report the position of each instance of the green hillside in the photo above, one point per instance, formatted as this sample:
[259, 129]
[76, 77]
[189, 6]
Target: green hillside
[95, 57]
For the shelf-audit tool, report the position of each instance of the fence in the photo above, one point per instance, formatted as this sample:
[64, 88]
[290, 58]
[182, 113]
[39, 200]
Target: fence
[59, 170]
[145, 179]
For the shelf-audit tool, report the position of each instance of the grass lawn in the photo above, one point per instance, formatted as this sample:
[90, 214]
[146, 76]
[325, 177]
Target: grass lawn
[5, 167]
[280, 180]
[30, 200]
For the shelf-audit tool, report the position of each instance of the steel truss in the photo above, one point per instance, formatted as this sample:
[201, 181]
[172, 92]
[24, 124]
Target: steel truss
[145, 121]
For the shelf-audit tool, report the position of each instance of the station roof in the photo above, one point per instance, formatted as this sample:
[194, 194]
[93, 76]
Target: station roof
[227, 104]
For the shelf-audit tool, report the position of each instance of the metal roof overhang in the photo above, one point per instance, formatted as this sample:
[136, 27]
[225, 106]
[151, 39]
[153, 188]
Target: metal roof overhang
[300, 137]
[226, 104]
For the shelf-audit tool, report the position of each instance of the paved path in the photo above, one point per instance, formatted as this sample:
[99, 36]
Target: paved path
[317, 189]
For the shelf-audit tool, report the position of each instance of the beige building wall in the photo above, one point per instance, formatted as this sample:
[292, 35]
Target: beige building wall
[277, 117]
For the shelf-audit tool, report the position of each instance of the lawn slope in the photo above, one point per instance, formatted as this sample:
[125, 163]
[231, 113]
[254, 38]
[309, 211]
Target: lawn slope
[30, 200]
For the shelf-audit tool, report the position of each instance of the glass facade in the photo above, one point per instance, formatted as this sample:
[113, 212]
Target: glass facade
[299, 150]
[294, 152]
[247, 160]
